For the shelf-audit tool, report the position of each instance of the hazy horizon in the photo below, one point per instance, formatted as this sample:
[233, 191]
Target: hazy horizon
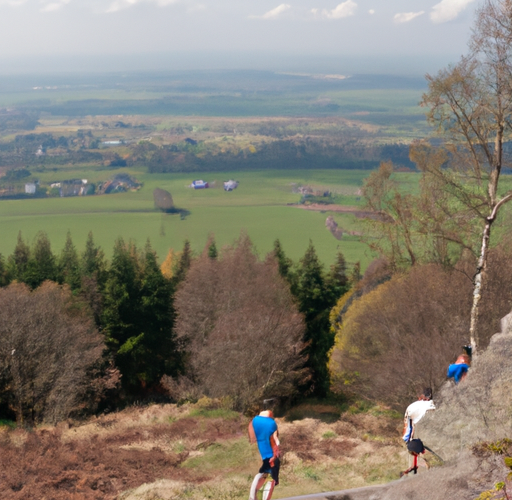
[325, 36]
[417, 65]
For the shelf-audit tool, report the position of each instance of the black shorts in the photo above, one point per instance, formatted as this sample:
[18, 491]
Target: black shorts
[415, 446]
[266, 468]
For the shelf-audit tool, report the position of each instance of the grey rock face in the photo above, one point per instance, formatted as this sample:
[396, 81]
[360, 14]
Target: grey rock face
[506, 324]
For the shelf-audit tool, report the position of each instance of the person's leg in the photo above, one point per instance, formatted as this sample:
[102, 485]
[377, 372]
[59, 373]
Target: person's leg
[257, 483]
[268, 490]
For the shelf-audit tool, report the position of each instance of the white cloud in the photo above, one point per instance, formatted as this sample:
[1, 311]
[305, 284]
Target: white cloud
[197, 8]
[118, 5]
[54, 6]
[344, 9]
[12, 3]
[274, 13]
[405, 17]
[446, 10]
[371, 11]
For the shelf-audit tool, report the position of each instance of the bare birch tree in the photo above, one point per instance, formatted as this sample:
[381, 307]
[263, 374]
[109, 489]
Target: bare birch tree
[470, 104]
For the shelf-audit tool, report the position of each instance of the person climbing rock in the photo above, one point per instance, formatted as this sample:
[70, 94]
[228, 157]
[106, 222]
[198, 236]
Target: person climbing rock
[413, 414]
[459, 369]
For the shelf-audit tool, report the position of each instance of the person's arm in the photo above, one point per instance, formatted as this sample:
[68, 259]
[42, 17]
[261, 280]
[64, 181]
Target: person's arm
[276, 438]
[275, 443]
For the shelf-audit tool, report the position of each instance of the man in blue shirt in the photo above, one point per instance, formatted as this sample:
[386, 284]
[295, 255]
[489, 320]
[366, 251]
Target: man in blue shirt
[263, 430]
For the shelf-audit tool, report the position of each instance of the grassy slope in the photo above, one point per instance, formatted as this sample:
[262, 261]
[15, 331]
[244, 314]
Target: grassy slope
[258, 206]
[167, 452]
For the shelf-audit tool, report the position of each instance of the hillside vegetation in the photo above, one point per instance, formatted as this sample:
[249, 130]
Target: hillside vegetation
[195, 452]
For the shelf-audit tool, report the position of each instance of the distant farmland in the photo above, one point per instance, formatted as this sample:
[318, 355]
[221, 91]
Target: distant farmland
[259, 206]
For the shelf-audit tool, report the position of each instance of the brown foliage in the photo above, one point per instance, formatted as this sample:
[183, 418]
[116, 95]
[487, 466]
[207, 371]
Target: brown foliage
[401, 336]
[48, 349]
[99, 465]
[241, 327]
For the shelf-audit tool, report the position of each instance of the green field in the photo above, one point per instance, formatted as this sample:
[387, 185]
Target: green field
[259, 206]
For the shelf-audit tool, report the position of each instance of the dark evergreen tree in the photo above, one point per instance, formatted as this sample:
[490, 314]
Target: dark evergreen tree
[4, 272]
[121, 311]
[42, 264]
[137, 318]
[158, 353]
[337, 281]
[315, 302]
[69, 266]
[92, 261]
[93, 270]
[183, 264]
[17, 263]
[284, 263]
[212, 249]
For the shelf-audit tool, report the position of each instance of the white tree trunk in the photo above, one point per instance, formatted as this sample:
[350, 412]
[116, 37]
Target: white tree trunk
[480, 273]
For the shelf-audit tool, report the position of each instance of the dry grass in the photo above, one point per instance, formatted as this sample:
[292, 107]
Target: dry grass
[168, 452]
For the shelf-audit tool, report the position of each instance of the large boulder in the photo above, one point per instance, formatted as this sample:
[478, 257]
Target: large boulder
[477, 410]
[506, 324]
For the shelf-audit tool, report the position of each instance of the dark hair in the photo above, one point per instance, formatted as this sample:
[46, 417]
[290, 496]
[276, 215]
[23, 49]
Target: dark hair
[468, 349]
[427, 392]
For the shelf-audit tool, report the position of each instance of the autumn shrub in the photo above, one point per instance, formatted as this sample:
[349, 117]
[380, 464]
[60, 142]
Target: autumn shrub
[400, 337]
[240, 328]
[49, 353]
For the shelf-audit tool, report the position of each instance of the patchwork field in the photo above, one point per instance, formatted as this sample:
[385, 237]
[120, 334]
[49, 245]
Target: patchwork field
[262, 206]
[62, 127]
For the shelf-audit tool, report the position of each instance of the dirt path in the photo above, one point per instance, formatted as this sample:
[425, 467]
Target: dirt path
[353, 494]
[345, 209]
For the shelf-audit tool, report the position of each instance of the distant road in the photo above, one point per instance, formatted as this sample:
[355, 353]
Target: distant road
[353, 494]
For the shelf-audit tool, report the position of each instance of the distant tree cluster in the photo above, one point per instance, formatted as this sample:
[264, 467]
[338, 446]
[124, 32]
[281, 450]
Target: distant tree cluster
[280, 154]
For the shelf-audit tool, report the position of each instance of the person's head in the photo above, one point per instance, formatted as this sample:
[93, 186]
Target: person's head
[468, 350]
[426, 395]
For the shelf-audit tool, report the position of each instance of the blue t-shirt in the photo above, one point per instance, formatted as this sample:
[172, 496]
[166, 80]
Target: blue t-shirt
[457, 371]
[264, 427]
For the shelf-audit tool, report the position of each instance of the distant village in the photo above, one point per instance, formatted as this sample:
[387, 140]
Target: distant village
[78, 187]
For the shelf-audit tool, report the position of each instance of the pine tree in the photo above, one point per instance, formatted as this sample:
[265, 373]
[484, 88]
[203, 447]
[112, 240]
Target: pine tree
[315, 303]
[4, 272]
[337, 281]
[93, 274]
[138, 318]
[284, 263]
[213, 253]
[17, 262]
[122, 296]
[69, 266]
[183, 264]
[42, 264]
[159, 355]
[92, 261]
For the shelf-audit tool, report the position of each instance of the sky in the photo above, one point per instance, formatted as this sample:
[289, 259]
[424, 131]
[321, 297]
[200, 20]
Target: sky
[237, 33]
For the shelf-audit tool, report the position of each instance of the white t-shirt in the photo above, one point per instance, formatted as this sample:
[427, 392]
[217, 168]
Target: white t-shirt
[416, 411]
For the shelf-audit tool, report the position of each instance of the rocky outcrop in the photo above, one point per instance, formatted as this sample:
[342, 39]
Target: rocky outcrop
[477, 410]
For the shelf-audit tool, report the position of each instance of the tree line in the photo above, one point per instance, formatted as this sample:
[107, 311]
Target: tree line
[80, 334]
